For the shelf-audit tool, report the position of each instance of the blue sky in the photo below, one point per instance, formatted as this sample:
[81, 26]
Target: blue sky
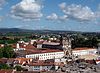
[75, 15]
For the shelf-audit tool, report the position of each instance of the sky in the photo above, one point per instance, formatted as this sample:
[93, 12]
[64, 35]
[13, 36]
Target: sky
[71, 15]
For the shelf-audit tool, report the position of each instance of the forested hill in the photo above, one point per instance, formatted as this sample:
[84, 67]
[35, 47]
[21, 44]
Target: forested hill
[14, 30]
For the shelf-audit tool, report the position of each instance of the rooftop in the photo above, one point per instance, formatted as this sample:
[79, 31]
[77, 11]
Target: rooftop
[84, 48]
[51, 43]
[6, 71]
[37, 51]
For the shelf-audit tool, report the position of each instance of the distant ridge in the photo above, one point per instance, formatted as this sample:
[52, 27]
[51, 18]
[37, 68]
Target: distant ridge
[14, 30]
[6, 30]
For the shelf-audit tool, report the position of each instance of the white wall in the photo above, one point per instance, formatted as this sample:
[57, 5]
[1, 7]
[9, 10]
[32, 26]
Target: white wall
[39, 45]
[17, 49]
[32, 41]
[39, 68]
[84, 52]
[45, 56]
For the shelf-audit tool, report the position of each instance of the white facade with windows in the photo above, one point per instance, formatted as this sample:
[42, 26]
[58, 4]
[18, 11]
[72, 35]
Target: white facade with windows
[84, 52]
[39, 68]
[18, 49]
[45, 56]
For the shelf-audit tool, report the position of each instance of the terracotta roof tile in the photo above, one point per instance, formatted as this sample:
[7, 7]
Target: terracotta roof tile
[6, 71]
[29, 46]
[37, 51]
[83, 48]
[26, 72]
[3, 60]
[21, 60]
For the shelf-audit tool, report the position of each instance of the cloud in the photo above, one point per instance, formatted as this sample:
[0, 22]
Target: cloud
[98, 12]
[54, 16]
[99, 7]
[1, 18]
[62, 5]
[27, 10]
[77, 12]
[2, 2]
[63, 18]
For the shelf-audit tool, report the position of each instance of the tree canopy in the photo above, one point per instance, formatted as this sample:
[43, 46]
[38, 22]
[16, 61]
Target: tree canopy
[6, 52]
[4, 66]
[84, 41]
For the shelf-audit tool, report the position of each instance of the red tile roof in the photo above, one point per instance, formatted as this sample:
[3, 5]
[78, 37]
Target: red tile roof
[21, 60]
[84, 48]
[97, 60]
[22, 45]
[3, 60]
[29, 46]
[44, 63]
[26, 71]
[51, 43]
[37, 51]
[41, 64]
[6, 71]
[39, 42]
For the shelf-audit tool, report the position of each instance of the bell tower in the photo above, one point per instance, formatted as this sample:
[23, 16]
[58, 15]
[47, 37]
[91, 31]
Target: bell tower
[67, 46]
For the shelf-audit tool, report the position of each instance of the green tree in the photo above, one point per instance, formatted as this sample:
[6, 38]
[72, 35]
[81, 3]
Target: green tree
[4, 66]
[1, 53]
[94, 41]
[7, 52]
[18, 68]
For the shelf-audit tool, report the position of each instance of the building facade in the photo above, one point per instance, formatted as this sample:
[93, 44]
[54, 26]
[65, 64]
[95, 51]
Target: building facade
[84, 51]
[46, 55]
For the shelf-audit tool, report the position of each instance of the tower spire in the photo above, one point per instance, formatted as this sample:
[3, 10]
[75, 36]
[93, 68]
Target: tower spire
[67, 47]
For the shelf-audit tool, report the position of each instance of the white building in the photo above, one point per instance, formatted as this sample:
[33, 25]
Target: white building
[36, 65]
[32, 41]
[21, 41]
[46, 54]
[40, 67]
[17, 47]
[84, 51]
